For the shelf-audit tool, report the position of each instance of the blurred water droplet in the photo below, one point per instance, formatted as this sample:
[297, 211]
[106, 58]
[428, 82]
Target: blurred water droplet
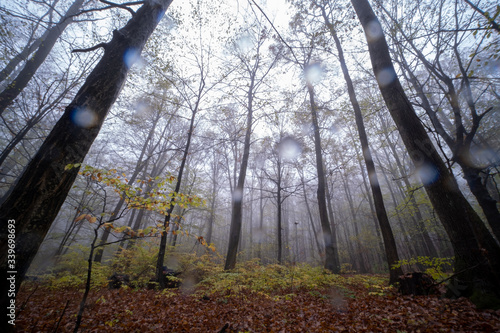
[386, 76]
[188, 284]
[237, 195]
[141, 108]
[260, 161]
[306, 129]
[172, 262]
[314, 72]
[160, 16]
[485, 155]
[133, 56]
[337, 300]
[493, 67]
[244, 43]
[84, 117]
[259, 235]
[373, 31]
[289, 148]
[428, 173]
[334, 129]
[373, 178]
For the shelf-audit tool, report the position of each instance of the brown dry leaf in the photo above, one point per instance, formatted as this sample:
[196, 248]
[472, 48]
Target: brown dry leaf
[150, 311]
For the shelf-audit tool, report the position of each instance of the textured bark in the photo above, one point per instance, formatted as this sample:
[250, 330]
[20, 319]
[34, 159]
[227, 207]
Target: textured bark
[23, 78]
[476, 252]
[43, 187]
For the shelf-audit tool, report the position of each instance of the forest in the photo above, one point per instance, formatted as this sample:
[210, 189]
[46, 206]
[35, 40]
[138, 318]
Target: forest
[250, 165]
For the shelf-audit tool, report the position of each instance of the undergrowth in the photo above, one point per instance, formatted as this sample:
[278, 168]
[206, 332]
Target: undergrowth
[273, 280]
[204, 275]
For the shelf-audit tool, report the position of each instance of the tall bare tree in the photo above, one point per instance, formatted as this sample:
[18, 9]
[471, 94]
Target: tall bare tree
[45, 183]
[477, 254]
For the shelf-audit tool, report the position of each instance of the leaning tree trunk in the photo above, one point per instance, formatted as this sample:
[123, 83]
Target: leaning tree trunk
[237, 201]
[387, 234]
[41, 190]
[477, 255]
[23, 78]
[166, 223]
[330, 262]
[391, 249]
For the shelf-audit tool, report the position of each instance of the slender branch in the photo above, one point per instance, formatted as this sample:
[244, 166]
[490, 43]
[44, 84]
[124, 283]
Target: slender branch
[122, 6]
[491, 20]
[276, 30]
[95, 47]
[61, 317]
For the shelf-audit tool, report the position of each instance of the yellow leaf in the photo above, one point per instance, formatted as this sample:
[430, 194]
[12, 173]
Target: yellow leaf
[108, 226]
[81, 217]
[92, 219]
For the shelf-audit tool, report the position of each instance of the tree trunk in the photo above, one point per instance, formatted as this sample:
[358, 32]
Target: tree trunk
[398, 216]
[461, 149]
[476, 252]
[391, 250]
[428, 245]
[23, 78]
[483, 197]
[41, 190]
[211, 219]
[261, 216]
[30, 46]
[332, 222]
[309, 214]
[330, 250]
[237, 200]
[360, 263]
[166, 222]
[279, 226]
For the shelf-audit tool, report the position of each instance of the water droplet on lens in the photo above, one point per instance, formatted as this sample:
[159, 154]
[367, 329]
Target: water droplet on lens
[132, 56]
[141, 108]
[84, 117]
[373, 31]
[289, 148]
[428, 173]
[237, 195]
[386, 76]
[314, 72]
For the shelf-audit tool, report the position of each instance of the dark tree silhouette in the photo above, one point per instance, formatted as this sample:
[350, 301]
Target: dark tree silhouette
[477, 254]
[44, 185]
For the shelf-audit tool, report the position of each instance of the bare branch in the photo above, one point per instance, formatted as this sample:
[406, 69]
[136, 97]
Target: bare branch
[95, 47]
[122, 6]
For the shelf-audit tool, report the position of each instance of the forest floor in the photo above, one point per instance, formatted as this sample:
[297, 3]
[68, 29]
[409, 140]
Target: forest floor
[358, 305]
